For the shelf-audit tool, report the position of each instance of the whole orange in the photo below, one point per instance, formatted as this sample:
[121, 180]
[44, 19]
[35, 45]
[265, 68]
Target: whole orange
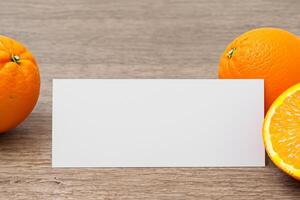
[19, 83]
[271, 54]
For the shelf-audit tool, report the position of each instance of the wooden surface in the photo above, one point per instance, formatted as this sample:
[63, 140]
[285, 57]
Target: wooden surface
[130, 39]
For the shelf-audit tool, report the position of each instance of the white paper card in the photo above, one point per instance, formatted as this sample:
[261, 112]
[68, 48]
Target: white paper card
[157, 123]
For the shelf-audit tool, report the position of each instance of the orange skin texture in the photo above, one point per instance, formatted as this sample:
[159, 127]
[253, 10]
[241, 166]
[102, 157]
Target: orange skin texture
[271, 54]
[19, 83]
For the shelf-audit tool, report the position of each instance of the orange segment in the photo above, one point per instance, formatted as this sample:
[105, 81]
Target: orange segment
[281, 131]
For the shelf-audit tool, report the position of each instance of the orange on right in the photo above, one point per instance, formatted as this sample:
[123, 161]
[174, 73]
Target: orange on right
[281, 131]
[271, 54]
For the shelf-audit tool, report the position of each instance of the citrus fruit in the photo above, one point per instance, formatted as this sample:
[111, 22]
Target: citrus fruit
[271, 54]
[19, 83]
[281, 131]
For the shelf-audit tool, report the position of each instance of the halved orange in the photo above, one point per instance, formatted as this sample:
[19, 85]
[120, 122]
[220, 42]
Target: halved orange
[281, 131]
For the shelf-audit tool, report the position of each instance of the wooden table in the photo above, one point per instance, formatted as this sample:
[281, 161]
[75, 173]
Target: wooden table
[130, 39]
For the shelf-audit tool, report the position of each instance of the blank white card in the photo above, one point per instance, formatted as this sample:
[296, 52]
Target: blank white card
[157, 123]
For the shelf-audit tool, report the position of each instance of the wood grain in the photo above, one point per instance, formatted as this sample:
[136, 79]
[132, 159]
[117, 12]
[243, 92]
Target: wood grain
[130, 39]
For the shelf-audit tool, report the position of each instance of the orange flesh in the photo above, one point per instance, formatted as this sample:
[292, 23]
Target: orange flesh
[285, 130]
[281, 131]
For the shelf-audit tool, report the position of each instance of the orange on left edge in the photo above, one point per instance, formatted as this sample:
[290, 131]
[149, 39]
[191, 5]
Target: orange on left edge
[19, 83]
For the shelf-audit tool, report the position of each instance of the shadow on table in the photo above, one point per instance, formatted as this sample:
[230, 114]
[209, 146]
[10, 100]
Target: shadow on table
[33, 132]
